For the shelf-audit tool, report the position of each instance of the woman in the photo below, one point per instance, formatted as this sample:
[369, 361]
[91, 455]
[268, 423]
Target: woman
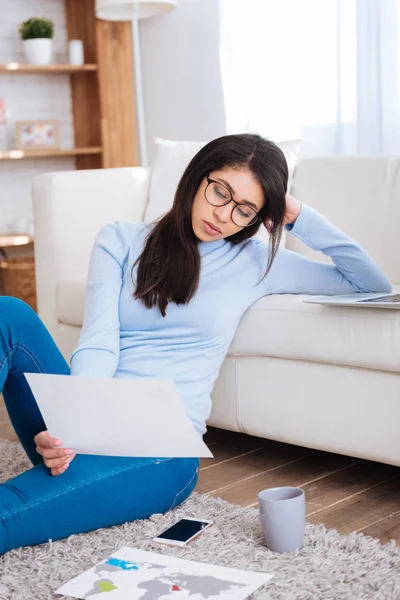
[163, 301]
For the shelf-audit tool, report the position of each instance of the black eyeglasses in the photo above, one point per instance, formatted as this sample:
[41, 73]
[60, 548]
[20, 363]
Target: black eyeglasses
[218, 194]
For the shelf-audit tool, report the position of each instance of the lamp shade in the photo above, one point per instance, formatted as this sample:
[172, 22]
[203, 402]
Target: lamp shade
[126, 10]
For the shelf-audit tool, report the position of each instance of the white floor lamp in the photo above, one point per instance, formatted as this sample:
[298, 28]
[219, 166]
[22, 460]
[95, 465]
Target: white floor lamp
[127, 10]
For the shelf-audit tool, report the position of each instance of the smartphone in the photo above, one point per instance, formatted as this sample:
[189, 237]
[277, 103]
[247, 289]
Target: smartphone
[182, 532]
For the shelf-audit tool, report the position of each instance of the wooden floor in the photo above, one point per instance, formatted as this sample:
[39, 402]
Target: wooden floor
[341, 492]
[344, 493]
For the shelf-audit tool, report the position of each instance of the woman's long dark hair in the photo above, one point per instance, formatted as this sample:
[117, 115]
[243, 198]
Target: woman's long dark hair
[169, 266]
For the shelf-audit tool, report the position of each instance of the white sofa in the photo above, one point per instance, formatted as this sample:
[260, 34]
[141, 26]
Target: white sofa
[321, 377]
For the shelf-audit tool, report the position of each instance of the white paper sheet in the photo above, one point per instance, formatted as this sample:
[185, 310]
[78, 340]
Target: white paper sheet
[130, 574]
[117, 417]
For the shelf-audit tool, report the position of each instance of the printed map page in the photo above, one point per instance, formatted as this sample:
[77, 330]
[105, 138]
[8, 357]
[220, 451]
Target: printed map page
[132, 574]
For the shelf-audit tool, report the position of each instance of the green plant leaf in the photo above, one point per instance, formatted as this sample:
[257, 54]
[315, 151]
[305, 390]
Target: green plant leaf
[36, 28]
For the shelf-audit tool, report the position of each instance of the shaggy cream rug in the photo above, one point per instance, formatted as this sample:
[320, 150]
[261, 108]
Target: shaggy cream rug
[330, 566]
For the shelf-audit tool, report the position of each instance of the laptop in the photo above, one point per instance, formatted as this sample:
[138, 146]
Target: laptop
[358, 299]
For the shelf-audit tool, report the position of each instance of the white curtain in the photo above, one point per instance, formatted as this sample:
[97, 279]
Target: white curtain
[323, 71]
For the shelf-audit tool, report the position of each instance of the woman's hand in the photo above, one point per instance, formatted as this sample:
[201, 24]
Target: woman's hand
[292, 211]
[56, 459]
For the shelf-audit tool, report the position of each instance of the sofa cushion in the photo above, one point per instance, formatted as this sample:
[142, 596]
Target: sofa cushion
[348, 190]
[283, 326]
[171, 159]
[70, 304]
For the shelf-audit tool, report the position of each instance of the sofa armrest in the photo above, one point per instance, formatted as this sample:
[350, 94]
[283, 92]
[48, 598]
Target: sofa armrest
[69, 210]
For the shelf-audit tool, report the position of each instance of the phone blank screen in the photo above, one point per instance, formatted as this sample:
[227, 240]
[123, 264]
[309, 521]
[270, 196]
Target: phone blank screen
[182, 530]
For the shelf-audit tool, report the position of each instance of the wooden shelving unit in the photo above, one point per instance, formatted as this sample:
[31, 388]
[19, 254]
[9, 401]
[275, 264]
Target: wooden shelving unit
[103, 99]
[15, 68]
[19, 154]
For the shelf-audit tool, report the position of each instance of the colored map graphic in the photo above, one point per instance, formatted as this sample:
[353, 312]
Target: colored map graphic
[159, 585]
[133, 574]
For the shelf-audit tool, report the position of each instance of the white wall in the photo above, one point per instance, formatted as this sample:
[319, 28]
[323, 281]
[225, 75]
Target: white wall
[30, 97]
[182, 86]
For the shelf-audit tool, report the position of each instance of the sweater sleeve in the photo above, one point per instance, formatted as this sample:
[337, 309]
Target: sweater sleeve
[97, 353]
[353, 269]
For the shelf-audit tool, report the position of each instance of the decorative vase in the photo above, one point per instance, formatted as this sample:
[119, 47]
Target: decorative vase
[75, 52]
[38, 51]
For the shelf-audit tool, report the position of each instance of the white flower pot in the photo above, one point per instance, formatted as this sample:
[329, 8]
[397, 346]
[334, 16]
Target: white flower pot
[38, 51]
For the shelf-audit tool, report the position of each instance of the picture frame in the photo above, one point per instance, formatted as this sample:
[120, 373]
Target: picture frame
[37, 135]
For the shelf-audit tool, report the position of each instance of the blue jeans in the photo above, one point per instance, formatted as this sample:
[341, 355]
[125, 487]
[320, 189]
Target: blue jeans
[96, 491]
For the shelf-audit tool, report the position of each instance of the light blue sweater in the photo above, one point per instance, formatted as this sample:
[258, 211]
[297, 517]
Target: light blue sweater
[122, 338]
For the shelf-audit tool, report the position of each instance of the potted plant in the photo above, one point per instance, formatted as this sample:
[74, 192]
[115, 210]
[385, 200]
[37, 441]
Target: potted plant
[37, 35]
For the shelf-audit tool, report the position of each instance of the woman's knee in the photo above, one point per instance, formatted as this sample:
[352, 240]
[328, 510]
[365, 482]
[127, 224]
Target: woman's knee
[11, 308]
[17, 319]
